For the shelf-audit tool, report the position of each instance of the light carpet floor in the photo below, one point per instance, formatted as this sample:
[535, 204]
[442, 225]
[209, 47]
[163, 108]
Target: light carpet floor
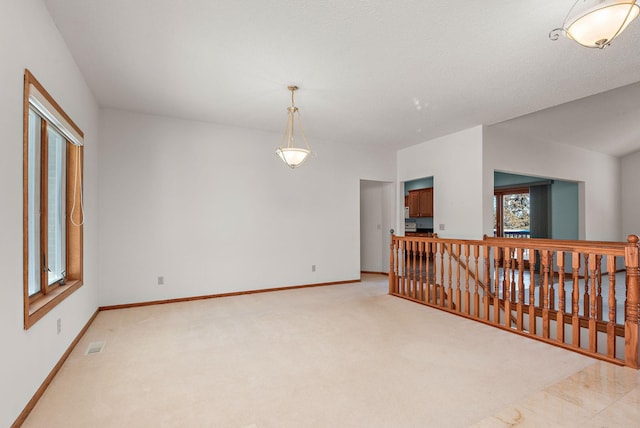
[336, 356]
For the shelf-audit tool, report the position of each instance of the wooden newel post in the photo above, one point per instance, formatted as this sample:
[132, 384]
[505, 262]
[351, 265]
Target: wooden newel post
[392, 271]
[632, 305]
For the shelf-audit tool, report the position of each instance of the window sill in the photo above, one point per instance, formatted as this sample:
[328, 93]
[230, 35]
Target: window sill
[43, 305]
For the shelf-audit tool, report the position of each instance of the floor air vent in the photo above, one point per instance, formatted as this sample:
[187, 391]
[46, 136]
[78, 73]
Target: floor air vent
[95, 348]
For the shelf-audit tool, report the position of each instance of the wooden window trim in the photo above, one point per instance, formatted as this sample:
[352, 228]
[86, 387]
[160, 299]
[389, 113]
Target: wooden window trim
[511, 190]
[38, 305]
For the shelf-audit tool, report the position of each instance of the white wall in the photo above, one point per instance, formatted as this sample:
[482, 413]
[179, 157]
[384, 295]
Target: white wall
[455, 162]
[29, 39]
[376, 218]
[176, 203]
[630, 190]
[600, 174]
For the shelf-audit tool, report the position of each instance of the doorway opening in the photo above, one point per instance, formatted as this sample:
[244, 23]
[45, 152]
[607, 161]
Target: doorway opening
[376, 219]
[537, 207]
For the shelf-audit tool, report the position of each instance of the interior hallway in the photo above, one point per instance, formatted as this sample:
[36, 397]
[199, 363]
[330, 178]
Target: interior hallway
[336, 356]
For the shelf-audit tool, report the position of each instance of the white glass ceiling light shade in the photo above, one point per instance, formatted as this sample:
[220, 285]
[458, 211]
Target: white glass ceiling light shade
[595, 23]
[291, 155]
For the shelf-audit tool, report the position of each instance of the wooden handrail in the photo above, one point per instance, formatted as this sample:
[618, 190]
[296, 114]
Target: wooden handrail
[486, 279]
[601, 247]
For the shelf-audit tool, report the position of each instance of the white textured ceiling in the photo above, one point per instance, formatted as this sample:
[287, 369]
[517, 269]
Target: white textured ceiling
[373, 71]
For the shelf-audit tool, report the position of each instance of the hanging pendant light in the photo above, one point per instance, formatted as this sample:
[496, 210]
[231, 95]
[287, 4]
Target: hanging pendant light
[290, 154]
[595, 23]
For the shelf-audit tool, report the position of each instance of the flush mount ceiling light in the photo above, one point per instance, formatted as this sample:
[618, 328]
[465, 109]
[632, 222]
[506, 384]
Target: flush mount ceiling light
[291, 155]
[595, 23]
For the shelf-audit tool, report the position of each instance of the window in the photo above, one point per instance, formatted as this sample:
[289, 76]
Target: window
[511, 214]
[53, 206]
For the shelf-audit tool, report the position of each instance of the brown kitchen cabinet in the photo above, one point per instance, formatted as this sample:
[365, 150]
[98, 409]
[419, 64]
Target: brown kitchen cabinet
[421, 202]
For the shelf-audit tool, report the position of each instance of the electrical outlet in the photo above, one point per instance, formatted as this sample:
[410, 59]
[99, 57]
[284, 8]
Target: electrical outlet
[313, 268]
[59, 325]
[441, 226]
[161, 280]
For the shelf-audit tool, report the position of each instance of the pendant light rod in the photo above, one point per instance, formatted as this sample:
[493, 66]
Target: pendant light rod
[293, 89]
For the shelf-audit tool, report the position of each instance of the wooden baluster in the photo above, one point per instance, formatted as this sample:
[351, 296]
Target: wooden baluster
[575, 299]
[467, 295]
[544, 267]
[442, 285]
[505, 272]
[427, 271]
[611, 327]
[507, 286]
[585, 298]
[520, 303]
[593, 332]
[403, 246]
[392, 265]
[540, 287]
[496, 287]
[421, 284]
[409, 269]
[450, 289]
[476, 296]
[552, 292]
[599, 281]
[427, 266]
[407, 272]
[407, 291]
[416, 272]
[561, 298]
[398, 266]
[632, 305]
[512, 256]
[434, 277]
[487, 280]
[458, 278]
[397, 274]
[532, 290]
[433, 270]
[413, 285]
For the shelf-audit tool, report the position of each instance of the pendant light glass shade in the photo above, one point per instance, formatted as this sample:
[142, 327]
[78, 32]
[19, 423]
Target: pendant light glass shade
[595, 23]
[290, 154]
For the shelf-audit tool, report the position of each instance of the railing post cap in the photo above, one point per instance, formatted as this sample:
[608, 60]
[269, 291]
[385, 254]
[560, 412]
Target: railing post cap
[633, 239]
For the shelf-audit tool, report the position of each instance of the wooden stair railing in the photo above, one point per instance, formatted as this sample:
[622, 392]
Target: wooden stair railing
[487, 281]
[487, 291]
